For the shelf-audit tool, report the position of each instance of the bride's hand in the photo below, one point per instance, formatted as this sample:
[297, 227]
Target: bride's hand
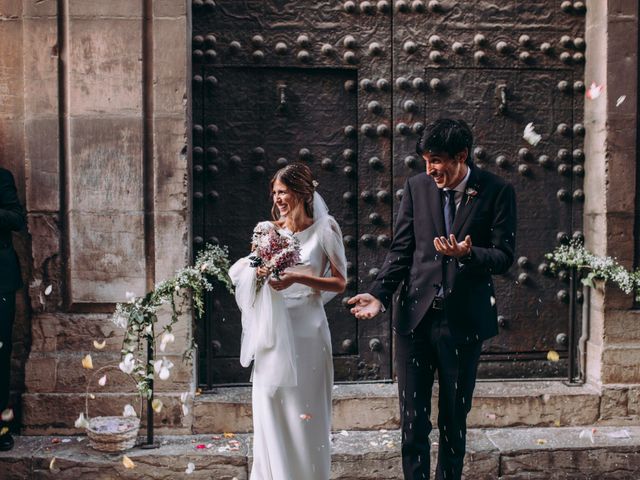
[287, 279]
[262, 272]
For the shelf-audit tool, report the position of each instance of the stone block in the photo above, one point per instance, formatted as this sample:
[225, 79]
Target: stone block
[622, 326]
[41, 61]
[171, 53]
[42, 164]
[10, 9]
[217, 417]
[40, 373]
[105, 67]
[613, 403]
[633, 402]
[39, 8]
[171, 242]
[621, 364]
[68, 333]
[172, 170]
[11, 70]
[45, 262]
[171, 8]
[112, 8]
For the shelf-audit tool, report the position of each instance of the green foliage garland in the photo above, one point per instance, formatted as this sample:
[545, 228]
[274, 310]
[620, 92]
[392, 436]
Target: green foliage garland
[138, 316]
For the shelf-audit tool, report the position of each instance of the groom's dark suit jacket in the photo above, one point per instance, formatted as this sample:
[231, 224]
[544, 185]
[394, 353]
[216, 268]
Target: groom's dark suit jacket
[487, 213]
[12, 218]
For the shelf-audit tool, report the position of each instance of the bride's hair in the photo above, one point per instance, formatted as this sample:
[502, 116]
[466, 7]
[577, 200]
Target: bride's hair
[298, 178]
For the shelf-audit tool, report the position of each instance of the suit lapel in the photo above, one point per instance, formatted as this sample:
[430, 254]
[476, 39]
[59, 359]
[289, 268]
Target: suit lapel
[467, 204]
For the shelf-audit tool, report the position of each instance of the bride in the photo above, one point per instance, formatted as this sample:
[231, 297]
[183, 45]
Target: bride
[285, 333]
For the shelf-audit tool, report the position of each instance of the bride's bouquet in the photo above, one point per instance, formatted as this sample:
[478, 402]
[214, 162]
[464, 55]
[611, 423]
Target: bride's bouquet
[273, 250]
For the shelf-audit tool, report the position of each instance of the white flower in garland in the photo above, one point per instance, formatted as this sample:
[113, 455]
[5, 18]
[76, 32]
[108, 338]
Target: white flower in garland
[128, 364]
[167, 337]
[163, 368]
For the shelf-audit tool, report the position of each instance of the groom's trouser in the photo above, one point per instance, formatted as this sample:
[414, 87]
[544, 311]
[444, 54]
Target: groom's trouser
[428, 348]
[7, 314]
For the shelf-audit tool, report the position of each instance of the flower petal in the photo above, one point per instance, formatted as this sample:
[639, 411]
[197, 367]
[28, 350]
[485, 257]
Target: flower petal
[87, 362]
[102, 381]
[99, 345]
[553, 356]
[47, 291]
[7, 415]
[129, 411]
[127, 462]
[156, 405]
[81, 422]
[190, 468]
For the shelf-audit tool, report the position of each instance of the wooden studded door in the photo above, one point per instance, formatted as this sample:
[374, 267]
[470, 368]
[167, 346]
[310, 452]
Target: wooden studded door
[346, 87]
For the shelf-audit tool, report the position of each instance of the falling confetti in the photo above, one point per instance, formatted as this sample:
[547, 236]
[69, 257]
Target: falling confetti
[156, 405]
[87, 362]
[52, 465]
[201, 446]
[1, 344]
[306, 416]
[4, 430]
[184, 397]
[99, 345]
[492, 300]
[7, 415]
[541, 441]
[344, 433]
[167, 337]
[47, 291]
[127, 462]
[185, 410]
[620, 100]
[81, 421]
[190, 468]
[129, 411]
[553, 356]
[557, 423]
[103, 381]
[229, 435]
[594, 91]
[530, 135]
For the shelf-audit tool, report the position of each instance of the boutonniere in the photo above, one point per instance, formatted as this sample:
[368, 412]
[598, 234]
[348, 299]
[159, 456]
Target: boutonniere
[471, 193]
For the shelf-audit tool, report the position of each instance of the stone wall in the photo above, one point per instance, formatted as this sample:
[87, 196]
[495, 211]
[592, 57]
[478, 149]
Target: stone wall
[94, 123]
[613, 349]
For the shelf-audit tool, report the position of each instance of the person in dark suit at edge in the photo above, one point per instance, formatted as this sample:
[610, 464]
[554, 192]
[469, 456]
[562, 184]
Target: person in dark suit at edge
[12, 218]
[455, 228]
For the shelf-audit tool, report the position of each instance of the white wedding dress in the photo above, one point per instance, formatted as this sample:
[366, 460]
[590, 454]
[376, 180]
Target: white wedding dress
[287, 336]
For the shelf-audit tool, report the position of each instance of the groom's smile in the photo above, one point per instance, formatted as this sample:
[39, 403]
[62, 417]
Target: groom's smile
[445, 170]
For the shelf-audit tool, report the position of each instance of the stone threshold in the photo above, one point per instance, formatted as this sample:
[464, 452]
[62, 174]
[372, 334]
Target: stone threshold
[493, 454]
[374, 405]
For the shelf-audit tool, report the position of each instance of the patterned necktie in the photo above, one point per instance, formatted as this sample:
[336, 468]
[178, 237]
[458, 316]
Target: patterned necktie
[449, 209]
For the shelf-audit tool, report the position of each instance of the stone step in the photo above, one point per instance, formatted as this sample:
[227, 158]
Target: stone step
[493, 454]
[374, 406]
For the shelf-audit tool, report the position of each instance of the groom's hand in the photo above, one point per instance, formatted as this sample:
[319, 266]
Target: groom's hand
[451, 247]
[366, 306]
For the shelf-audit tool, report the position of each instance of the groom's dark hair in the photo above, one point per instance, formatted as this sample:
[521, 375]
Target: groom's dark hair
[446, 136]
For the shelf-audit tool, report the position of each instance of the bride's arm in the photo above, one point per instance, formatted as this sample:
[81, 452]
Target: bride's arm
[334, 283]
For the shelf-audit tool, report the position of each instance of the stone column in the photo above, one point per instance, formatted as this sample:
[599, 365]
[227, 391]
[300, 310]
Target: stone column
[613, 349]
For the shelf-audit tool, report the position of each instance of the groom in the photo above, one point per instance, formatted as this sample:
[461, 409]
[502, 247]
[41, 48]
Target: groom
[455, 228]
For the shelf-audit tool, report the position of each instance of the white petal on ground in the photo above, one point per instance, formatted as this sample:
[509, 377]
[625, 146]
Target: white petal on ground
[47, 291]
[530, 135]
[129, 411]
[190, 468]
[81, 422]
[587, 433]
[156, 405]
[344, 433]
[103, 381]
[87, 362]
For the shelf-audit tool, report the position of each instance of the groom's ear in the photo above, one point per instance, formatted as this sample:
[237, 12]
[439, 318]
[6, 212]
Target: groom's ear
[461, 156]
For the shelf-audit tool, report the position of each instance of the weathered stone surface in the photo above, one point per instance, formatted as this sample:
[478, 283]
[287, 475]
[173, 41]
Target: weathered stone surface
[56, 413]
[170, 8]
[561, 453]
[11, 77]
[42, 164]
[374, 406]
[621, 364]
[172, 189]
[10, 8]
[41, 61]
[106, 218]
[171, 52]
[45, 262]
[105, 71]
[97, 8]
[613, 403]
[74, 332]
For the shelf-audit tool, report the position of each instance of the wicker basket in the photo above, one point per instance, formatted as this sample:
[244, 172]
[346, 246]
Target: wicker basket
[111, 434]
